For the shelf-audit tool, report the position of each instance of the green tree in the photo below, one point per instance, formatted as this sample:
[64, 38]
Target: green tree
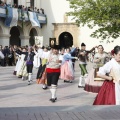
[102, 13]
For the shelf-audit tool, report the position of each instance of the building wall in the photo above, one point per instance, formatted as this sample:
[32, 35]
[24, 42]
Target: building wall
[55, 14]
[25, 3]
[24, 33]
[90, 42]
[55, 11]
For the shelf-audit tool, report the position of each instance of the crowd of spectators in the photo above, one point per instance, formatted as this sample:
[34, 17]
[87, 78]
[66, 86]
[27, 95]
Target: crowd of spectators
[33, 9]
[8, 55]
[7, 58]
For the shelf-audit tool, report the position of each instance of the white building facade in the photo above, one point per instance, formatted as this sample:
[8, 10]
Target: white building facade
[55, 14]
[59, 27]
[24, 33]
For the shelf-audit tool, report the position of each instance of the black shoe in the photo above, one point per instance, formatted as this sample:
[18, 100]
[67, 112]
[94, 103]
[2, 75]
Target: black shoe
[44, 88]
[53, 98]
[14, 73]
[70, 81]
[80, 86]
[29, 83]
[20, 76]
[66, 81]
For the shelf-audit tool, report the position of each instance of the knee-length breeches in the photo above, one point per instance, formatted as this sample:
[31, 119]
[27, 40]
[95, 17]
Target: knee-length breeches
[83, 69]
[29, 68]
[52, 78]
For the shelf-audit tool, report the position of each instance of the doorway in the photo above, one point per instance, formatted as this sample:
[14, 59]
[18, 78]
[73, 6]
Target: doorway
[15, 36]
[32, 34]
[65, 40]
[16, 2]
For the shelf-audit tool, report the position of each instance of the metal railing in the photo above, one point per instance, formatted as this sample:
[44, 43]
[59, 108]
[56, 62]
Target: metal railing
[23, 15]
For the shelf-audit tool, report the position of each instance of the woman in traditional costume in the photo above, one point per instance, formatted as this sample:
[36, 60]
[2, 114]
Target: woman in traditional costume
[109, 93]
[41, 75]
[29, 58]
[67, 71]
[22, 69]
[92, 82]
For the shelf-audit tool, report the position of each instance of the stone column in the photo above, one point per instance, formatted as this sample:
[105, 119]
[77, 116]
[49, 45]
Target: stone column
[24, 40]
[4, 39]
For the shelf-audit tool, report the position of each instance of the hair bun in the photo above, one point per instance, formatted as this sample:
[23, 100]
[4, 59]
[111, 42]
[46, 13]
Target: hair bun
[83, 44]
[112, 52]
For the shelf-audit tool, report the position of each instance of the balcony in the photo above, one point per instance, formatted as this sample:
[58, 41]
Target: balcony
[23, 15]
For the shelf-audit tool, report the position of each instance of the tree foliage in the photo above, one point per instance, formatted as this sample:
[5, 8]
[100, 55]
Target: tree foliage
[102, 13]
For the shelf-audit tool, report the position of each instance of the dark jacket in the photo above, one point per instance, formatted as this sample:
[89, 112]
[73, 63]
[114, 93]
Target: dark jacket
[85, 57]
[26, 55]
[31, 56]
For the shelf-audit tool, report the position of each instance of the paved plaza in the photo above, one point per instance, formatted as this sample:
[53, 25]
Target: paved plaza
[19, 101]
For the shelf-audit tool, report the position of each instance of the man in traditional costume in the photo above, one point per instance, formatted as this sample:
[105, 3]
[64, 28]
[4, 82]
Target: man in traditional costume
[83, 57]
[53, 71]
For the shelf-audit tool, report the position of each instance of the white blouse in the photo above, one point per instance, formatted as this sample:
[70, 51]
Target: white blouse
[105, 69]
[111, 67]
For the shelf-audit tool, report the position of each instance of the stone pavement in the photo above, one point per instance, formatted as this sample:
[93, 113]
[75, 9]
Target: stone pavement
[18, 101]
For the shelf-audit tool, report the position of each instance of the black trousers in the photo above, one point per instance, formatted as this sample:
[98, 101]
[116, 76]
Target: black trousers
[29, 68]
[52, 78]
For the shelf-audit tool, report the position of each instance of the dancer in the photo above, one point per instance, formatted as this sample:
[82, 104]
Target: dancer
[22, 69]
[53, 72]
[83, 58]
[42, 67]
[92, 82]
[29, 57]
[67, 71]
[109, 93]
